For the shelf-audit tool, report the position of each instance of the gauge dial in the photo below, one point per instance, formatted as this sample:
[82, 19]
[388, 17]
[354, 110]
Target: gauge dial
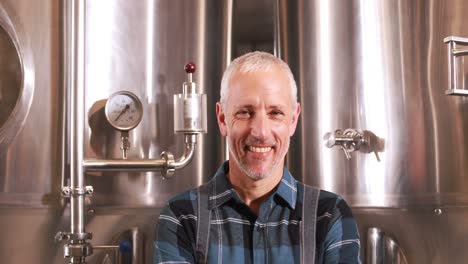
[124, 110]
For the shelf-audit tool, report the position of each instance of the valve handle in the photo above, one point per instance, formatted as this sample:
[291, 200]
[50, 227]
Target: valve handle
[190, 67]
[346, 152]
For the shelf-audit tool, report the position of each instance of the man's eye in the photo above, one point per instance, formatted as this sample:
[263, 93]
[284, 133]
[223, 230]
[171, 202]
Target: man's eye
[243, 114]
[276, 113]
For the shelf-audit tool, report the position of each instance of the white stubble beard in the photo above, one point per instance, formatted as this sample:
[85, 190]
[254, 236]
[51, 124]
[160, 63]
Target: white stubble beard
[260, 175]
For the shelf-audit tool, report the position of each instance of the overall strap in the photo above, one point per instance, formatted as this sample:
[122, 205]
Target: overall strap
[203, 223]
[309, 221]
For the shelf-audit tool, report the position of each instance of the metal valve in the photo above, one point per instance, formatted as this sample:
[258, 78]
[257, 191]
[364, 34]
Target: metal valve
[190, 107]
[125, 146]
[352, 140]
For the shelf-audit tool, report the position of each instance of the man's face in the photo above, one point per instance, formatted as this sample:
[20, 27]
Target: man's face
[258, 121]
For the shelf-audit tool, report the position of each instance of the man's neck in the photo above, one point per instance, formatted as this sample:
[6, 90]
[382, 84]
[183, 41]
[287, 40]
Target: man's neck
[254, 192]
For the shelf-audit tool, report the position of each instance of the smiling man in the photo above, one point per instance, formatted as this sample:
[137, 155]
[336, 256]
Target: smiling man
[253, 210]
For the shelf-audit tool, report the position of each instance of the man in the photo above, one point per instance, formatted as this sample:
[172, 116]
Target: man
[253, 210]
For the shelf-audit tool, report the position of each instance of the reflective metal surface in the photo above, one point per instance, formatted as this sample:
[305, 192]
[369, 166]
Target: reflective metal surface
[16, 76]
[30, 234]
[137, 46]
[378, 66]
[424, 236]
[26, 150]
[145, 53]
[382, 248]
[10, 76]
[382, 66]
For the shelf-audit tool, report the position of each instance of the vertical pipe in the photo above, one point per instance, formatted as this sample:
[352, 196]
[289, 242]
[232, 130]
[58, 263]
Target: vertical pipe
[281, 24]
[201, 53]
[137, 246]
[375, 248]
[227, 37]
[382, 249]
[65, 108]
[75, 51]
[451, 66]
[228, 10]
[277, 29]
[393, 253]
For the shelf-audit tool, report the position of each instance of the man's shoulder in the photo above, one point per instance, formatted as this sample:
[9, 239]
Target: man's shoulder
[182, 203]
[187, 201]
[331, 203]
[188, 195]
[333, 206]
[327, 197]
[324, 196]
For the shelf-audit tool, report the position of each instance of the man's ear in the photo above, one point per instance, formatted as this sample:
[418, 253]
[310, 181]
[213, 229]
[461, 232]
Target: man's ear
[221, 117]
[294, 120]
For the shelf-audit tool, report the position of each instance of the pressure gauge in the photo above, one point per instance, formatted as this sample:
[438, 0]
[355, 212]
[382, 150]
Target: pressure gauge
[124, 110]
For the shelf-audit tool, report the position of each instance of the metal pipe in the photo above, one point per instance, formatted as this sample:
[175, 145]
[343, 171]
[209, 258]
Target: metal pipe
[375, 246]
[382, 248]
[66, 95]
[454, 64]
[451, 67]
[277, 30]
[137, 246]
[74, 50]
[74, 46]
[459, 52]
[190, 143]
[106, 247]
[458, 40]
[228, 47]
[124, 165]
[144, 164]
[227, 36]
[76, 34]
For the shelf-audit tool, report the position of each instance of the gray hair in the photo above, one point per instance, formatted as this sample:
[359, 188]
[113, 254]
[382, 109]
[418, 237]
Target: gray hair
[253, 62]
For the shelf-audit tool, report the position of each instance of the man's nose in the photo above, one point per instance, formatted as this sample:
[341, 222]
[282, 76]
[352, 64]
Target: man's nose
[260, 126]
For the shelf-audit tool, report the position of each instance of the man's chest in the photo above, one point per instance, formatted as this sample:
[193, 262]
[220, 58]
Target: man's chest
[236, 237]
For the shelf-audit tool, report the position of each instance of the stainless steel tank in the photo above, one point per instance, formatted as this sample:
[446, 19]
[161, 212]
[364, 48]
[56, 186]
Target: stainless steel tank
[381, 66]
[137, 46]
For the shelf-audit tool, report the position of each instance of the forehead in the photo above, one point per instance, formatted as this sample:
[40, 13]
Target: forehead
[267, 87]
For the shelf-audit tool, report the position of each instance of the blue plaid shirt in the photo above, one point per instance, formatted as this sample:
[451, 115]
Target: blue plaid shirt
[237, 235]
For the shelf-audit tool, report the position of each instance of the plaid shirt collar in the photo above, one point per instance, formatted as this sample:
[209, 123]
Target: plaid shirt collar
[223, 190]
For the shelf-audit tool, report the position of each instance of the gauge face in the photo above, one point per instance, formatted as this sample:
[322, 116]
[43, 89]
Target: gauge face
[124, 110]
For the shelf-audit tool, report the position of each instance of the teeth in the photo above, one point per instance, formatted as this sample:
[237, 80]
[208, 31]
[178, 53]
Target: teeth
[256, 149]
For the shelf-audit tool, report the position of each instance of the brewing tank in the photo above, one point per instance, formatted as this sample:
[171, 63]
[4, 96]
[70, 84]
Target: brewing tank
[134, 46]
[381, 67]
[143, 48]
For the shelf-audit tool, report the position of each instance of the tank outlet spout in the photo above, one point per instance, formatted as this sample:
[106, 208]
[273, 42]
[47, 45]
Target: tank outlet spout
[352, 140]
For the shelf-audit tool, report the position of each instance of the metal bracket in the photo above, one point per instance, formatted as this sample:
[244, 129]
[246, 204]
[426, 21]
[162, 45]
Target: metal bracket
[456, 78]
[77, 250]
[67, 191]
[168, 172]
[72, 236]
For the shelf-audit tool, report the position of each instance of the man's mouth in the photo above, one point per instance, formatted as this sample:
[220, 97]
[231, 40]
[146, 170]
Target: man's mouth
[259, 149]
